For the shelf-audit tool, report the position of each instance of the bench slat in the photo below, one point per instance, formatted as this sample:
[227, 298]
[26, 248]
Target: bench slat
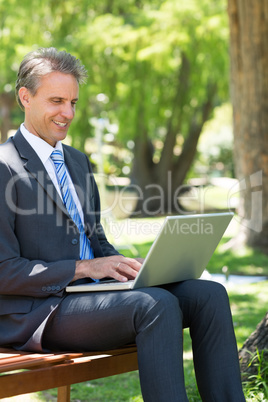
[13, 360]
[30, 362]
[67, 373]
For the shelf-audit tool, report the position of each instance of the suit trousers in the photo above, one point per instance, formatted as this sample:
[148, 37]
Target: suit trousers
[154, 319]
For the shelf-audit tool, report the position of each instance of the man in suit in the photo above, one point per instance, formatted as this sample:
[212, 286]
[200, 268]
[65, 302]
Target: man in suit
[43, 249]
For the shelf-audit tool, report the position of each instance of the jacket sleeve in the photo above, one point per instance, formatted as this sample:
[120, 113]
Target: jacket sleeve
[20, 275]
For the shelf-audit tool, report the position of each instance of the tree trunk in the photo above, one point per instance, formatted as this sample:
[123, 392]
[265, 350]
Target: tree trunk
[159, 185]
[249, 91]
[258, 340]
[159, 190]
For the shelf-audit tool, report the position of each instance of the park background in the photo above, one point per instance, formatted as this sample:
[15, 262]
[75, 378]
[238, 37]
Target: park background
[174, 120]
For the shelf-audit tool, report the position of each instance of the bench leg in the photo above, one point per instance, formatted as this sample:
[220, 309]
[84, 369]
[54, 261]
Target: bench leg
[64, 393]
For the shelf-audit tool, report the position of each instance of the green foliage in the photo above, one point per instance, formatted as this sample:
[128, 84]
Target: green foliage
[257, 386]
[133, 52]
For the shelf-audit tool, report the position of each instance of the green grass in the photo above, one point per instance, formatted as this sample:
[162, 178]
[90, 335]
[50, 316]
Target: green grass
[124, 387]
[243, 261]
[257, 384]
[249, 305]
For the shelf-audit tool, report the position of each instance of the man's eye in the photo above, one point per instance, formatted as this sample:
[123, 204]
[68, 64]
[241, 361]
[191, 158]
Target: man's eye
[56, 100]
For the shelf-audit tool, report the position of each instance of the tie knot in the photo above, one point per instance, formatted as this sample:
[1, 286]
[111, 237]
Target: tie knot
[57, 157]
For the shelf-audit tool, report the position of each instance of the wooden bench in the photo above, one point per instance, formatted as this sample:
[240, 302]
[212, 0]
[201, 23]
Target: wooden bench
[24, 372]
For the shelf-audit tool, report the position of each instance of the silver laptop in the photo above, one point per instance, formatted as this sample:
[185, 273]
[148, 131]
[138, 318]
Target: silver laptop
[181, 251]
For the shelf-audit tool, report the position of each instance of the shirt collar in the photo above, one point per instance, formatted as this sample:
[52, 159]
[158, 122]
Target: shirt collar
[41, 147]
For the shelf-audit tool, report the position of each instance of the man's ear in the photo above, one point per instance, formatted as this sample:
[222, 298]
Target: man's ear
[24, 95]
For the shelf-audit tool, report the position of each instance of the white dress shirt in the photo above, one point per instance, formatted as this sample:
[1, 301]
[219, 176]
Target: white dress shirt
[44, 150]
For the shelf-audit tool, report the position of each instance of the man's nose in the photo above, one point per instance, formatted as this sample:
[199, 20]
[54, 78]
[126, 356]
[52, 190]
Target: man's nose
[68, 111]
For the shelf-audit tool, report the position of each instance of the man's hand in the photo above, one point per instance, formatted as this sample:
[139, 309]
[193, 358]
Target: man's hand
[117, 267]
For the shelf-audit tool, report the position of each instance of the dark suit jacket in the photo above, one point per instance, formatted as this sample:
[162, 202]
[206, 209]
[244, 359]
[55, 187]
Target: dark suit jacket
[39, 244]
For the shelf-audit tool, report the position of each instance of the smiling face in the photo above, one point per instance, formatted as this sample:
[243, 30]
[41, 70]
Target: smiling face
[49, 113]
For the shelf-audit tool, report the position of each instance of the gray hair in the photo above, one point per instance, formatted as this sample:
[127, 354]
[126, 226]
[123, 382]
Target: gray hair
[43, 61]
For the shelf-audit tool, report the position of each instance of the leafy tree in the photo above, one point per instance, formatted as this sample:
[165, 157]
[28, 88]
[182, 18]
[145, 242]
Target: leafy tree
[163, 70]
[22, 28]
[163, 66]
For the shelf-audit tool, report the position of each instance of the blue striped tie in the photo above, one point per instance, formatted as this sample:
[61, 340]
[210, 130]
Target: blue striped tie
[86, 252]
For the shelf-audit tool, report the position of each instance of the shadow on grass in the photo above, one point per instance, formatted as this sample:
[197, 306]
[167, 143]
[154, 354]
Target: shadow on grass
[244, 261]
[248, 305]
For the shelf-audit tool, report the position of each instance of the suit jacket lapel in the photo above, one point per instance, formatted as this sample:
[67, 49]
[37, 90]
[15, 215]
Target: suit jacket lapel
[36, 169]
